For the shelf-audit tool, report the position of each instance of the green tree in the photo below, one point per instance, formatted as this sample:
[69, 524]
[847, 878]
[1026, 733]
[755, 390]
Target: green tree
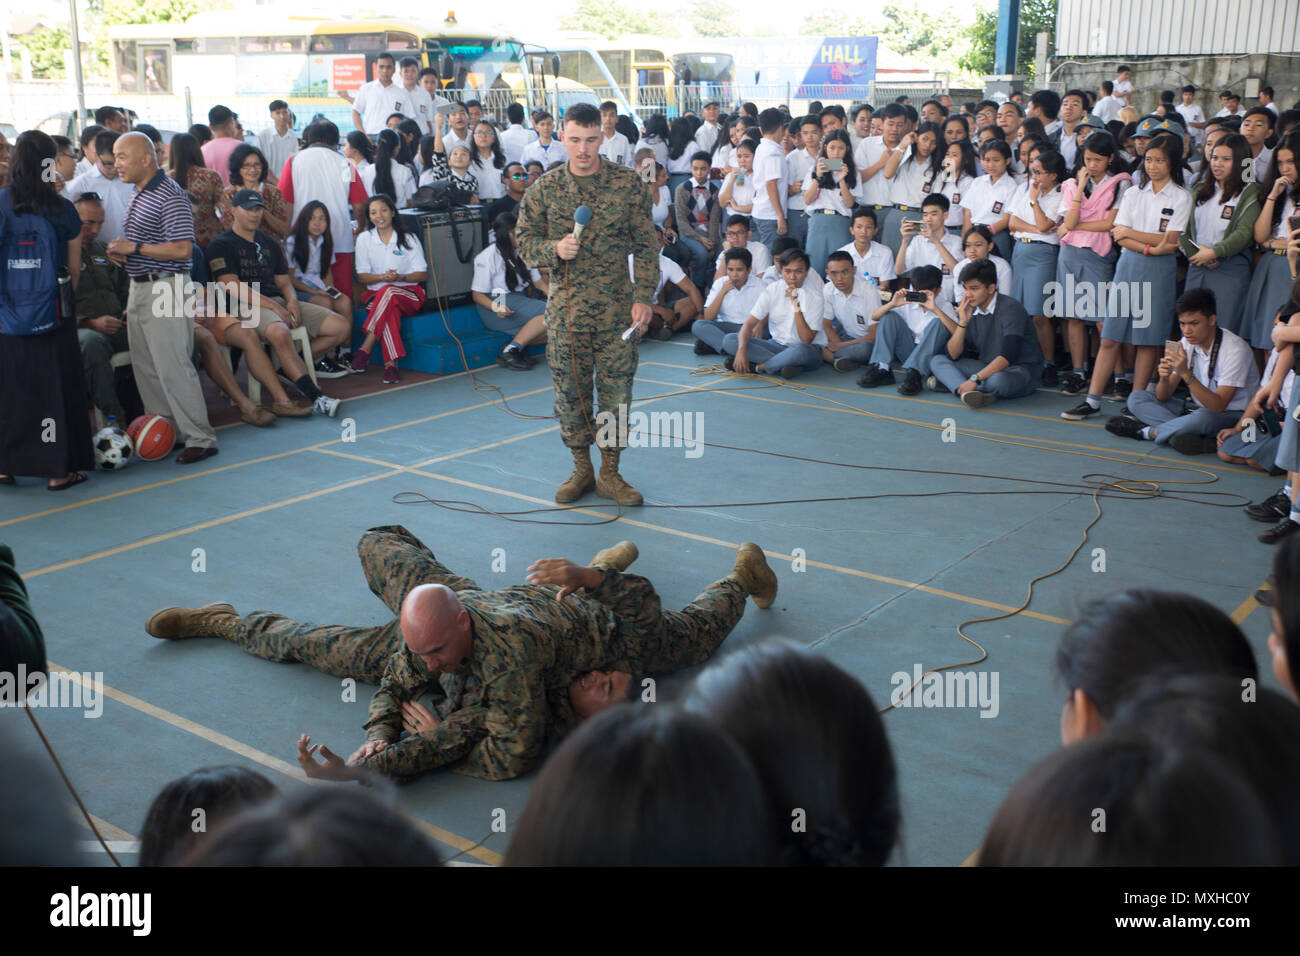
[47, 49]
[834, 23]
[117, 12]
[1036, 16]
[713, 18]
[609, 18]
[914, 32]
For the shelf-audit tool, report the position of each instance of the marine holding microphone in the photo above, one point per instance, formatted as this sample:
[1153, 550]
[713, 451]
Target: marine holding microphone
[592, 299]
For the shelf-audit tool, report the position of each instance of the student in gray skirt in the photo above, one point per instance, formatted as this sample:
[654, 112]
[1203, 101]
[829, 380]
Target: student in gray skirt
[1273, 276]
[1221, 231]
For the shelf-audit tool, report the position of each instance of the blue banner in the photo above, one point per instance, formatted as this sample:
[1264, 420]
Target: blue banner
[841, 61]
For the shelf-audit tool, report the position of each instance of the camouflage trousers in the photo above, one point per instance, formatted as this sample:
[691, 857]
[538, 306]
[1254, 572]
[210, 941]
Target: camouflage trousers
[394, 562]
[575, 359]
[659, 640]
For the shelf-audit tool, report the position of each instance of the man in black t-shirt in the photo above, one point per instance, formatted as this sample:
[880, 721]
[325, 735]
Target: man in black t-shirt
[516, 180]
[260, 303]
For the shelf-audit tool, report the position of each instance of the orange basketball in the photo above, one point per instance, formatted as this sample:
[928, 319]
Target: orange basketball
[153, 436]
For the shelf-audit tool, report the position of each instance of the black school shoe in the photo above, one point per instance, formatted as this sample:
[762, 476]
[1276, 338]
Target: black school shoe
[513, 359]
[1074, 384]
[704, 348]
[1187, 444]
[1273, 508]
[875, 376]
[1283, 529]
[911, 383]
[1050, 377]
[1080, 412]
[1125, 427]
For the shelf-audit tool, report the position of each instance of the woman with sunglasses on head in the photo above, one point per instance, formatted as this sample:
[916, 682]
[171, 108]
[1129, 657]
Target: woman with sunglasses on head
[248, 171]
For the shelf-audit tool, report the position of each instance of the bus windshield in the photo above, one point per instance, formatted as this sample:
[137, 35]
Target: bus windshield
[704, 67]
[480, 61]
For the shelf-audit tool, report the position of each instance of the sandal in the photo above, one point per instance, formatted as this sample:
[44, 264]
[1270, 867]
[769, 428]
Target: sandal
[76, 479]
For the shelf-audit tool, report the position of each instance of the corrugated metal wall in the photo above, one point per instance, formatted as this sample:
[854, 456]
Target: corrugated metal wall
[1176, 27]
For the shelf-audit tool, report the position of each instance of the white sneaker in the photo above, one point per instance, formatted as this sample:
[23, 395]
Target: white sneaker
[327, 406]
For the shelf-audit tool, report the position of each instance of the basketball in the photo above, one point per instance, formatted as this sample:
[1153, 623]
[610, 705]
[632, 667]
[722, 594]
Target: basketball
[153, 436]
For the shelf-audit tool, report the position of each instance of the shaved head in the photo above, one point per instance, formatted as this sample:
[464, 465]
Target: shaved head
[134, 158]
[436, 627]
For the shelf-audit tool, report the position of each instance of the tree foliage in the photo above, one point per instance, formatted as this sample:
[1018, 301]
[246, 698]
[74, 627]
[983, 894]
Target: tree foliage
[1036, 16]
[713, 18]
[612, 19]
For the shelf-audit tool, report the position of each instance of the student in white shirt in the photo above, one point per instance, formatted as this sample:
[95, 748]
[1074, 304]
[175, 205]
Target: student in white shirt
[728, 303]
[613, 145]
[850, 303]
[458, 161]
[663, 200]
[309, 251]
[771, 180]
[278, 141]
[115, 194]
[457, 131]
[681, 147]
[987, 199]
[511, 297]
[1225, 208]
[860, 127]
[930, 243]
[912, 176]
[724, 155]
[910, 333]
[386, 175]
[545, 149]
[1123, 86]
[391, 265]
[737, 236]
[978, 244]
[792, 311]
[1221, 376]
[1108, 104]
[799, 163]
[1250, 442]
[1272, 280]
[378, 99]
[1147, 227]
[829, 198]
[656, 137]
[419, 104]
[773, 272]
[487, 161]
[1035, 217]
[1193, 117]
[706, 137]
[1231, 104]
[737, 192]
[515, 136]
[1266, 100]
[872, 261]
[671, 315]
[873, 153]
[955, 181]
[1257, 128]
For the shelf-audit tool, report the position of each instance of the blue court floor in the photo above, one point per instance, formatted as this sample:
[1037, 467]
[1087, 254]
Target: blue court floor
[878, 585]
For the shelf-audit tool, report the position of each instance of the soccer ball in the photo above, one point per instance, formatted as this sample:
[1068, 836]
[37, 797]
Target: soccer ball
[113, 449]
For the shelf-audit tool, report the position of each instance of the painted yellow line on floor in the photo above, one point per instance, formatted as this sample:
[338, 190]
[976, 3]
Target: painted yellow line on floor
[208, 524]
[109, 832]
[732, 545]
[257, 756]
[1247, 607]
[211, 471]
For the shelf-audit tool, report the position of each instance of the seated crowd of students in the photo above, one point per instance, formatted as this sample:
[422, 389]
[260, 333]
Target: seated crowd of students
[987, 251]
[775, 756]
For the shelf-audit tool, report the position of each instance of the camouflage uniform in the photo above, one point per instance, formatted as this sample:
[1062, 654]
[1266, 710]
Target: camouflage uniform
[101, 290]
[591, 297]
[500, 707]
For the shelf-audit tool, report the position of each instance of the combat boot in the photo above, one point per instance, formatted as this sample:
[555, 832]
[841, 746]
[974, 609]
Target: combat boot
[754, 575]
[581, 481]
[619, 557]
[211, 620]
[610, 484]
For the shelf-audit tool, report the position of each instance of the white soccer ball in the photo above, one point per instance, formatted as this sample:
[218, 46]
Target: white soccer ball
[113, 448]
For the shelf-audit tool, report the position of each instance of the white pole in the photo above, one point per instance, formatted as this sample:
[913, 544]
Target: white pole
[76, 66]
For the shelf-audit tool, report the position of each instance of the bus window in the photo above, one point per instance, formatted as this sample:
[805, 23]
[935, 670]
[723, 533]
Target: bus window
[287, 44]
[650, 56]
[254, 45]
[215, 45]
[616, 61]
[401, 41]
[125, 57]
[186, 46]
[157, 62]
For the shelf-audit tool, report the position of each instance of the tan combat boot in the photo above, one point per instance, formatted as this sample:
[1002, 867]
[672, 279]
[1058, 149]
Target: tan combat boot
[581, 481]
[754, 575]
[211, 620]
[610, 484]
[619, 557]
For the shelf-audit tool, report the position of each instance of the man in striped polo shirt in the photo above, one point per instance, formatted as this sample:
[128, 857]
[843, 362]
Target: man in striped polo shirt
[155, 247]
